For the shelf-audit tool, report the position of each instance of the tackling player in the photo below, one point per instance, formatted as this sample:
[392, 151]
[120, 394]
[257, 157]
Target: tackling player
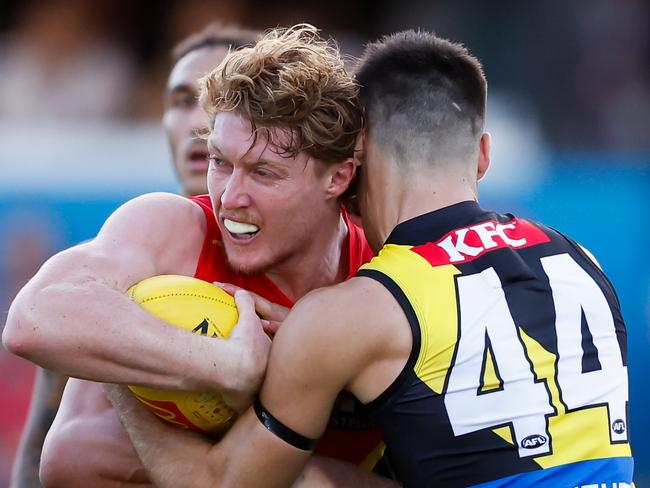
[272, 223]
[490, 349]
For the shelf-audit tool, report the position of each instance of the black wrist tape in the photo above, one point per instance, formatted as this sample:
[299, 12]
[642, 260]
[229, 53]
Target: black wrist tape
[282, 431]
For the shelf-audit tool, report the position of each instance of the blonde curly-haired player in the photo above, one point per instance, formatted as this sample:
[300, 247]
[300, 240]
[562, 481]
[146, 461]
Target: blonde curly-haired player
[86, 425]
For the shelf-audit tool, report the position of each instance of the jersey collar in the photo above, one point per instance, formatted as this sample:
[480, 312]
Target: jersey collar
[433, 225]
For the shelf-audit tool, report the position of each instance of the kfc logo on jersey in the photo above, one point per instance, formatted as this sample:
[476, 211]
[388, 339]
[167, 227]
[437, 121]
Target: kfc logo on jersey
[468, 243]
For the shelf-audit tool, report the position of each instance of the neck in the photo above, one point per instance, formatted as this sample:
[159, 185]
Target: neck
[323, 262]
[419, 196]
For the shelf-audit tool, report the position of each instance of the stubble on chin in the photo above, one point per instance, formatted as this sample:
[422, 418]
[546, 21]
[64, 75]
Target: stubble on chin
[259, 269]
[243, 269]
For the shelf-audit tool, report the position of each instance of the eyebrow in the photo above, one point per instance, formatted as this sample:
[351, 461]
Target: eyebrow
[212, 147]
[182, 87]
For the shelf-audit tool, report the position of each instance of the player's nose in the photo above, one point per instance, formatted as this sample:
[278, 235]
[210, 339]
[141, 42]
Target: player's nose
[235, 193]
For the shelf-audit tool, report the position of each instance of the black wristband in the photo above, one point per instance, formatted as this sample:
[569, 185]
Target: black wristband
[282, 431]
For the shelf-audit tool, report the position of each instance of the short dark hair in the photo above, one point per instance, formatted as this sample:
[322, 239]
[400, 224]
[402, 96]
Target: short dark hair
[422, 93]
[216, 34]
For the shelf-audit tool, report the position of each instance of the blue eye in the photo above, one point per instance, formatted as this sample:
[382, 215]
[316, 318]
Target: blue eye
[215, 161]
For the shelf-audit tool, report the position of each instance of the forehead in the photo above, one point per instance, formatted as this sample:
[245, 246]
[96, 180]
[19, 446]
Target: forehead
[195, 64]
[232, 135]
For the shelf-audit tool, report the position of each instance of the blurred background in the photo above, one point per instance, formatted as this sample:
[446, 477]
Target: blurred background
[81, 87]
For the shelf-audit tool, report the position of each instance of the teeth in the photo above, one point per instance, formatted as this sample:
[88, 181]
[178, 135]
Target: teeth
[240, 227]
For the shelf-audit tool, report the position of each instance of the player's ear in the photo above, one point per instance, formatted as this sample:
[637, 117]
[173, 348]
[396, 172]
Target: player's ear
[483, 162]
[340, 176]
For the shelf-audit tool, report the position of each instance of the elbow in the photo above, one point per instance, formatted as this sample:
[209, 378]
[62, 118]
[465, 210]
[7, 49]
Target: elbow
[21, 335]
[51, 475]
[88, 450]
[61, 463]
[15, 340]
[57, 464]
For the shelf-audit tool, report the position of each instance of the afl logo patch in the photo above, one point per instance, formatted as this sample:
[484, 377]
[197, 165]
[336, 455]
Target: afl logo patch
[533, 441]
[618, 426]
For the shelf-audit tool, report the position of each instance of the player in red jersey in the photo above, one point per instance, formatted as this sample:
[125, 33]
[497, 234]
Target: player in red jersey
[276, 180]
[351, 435]
[86, 415]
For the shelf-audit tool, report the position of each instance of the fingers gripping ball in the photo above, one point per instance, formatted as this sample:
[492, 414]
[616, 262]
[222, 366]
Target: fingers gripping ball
[199, 307]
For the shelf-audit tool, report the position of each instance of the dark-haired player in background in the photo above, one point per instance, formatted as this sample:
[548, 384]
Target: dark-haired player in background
[490, 349]
[87, 407]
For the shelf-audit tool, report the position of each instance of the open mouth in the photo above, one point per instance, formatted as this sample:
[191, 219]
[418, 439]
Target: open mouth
[240, 230]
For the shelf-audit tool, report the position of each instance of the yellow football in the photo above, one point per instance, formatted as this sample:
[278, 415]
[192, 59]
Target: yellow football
[199, 307]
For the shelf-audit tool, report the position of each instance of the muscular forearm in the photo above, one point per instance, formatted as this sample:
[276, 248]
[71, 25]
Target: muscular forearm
[168, 462]
[176, 458]
[92, 331]
[87, 446]
[91, 452]
[46, 397]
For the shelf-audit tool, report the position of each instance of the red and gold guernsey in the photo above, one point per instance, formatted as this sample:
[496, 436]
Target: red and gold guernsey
[351, 436]
[518, 371]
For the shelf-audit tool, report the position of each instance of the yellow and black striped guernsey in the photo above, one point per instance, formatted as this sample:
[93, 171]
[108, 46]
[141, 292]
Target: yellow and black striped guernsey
[518, 372]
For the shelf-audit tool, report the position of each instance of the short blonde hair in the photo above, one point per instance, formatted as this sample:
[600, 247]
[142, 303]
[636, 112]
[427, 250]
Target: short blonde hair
[291, 78]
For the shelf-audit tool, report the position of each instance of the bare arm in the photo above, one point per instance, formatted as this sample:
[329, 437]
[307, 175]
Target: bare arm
[156, 443]
[179, 458]
[312, 359]
[73, 316]
[46, 396]
[87, 446]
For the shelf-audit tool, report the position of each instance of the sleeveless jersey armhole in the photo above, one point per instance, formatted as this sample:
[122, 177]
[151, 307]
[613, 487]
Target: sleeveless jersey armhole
[407, 308]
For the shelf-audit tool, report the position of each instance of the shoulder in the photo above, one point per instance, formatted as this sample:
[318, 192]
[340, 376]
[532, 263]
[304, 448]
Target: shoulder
[354, 298]
[164, 227]
[159, 211]
[355, 319]
[158, 201]
[572, 243]
[358, 295]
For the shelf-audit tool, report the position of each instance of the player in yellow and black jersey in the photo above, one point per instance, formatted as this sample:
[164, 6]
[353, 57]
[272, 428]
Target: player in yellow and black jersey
[518, 366]
[517, 370]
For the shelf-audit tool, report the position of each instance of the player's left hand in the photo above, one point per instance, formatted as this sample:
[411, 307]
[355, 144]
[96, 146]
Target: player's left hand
[253, 347]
